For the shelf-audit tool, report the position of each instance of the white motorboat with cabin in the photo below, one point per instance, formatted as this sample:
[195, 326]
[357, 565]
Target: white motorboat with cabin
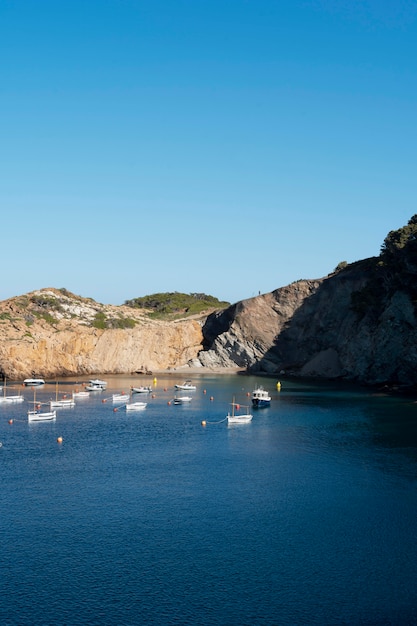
[187, 385]
[141, 389]
[260, 398]
[96, 384]
[33, 382]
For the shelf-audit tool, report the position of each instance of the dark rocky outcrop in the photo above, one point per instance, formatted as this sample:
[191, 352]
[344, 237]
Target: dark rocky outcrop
[323, 329]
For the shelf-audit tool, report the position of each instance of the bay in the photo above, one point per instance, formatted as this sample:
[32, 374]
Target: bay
[306, 515]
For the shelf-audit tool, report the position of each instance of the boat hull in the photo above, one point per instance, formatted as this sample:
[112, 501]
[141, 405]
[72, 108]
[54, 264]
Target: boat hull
[136, 406]
[62, 404]
[36, 416]
[260, 404]
[239, 419]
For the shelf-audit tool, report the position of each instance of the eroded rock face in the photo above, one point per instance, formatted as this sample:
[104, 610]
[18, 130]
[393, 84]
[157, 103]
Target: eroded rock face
[309, 328]
[48, 333]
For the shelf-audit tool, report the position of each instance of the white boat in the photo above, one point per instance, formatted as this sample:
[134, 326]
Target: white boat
[33, 382]
[64, 403]
[10, 399]
[96, 385]
[136, 406]
[238, 418]
[39, 416]
[260, 398]
[14, 399]
[186, 386]
[182, 399]
[98, 382]
[80, 394]
[36, 415]
[120, 397]
[141, 389]
[61, 403]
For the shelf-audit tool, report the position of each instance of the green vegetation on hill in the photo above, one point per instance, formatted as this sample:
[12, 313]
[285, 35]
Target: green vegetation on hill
[394, 270]
[173, 304]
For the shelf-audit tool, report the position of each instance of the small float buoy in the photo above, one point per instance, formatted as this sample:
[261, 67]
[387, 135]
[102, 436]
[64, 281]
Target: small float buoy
[203, 423]
[154, 381]
[211, 398]
[169, 403]
[248, 393]
[59, 440]
[204, 391]
[165, 389]
[10, 421]
[104, 400]
[115, 410]
[153, 395]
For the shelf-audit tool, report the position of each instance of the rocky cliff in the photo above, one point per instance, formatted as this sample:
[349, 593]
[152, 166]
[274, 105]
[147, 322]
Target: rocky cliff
[358, 324]
[52, 332]
[327, 328]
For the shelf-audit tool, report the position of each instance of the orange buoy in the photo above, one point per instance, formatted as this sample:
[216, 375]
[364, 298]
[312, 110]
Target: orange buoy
[203, 423]
[115, 410]
[10, 421]
[59, 440]
[204, 391]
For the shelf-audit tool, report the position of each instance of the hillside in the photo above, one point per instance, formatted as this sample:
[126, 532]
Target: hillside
[358, 323]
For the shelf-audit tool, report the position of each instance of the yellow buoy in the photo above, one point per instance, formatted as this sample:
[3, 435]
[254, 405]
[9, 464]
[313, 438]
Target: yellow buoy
[279, 386]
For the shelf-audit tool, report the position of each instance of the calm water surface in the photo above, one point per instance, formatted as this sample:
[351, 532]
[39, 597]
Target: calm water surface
[307, 515]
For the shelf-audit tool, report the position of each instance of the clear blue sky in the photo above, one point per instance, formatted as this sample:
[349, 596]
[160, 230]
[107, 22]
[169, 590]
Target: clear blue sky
[221, 146]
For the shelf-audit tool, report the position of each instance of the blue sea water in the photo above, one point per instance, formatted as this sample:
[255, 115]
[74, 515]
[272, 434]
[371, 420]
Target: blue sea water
[306, 515]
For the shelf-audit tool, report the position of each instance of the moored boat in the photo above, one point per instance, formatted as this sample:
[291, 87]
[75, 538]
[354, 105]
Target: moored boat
[187, 386]
[11, 399]
[260, 398]
[39, 416]
[182, 399]
[96, 384]
[238, 418]
[120, 397]
[141, 389]
[136, 406]
[33, 382]
[61, 403]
